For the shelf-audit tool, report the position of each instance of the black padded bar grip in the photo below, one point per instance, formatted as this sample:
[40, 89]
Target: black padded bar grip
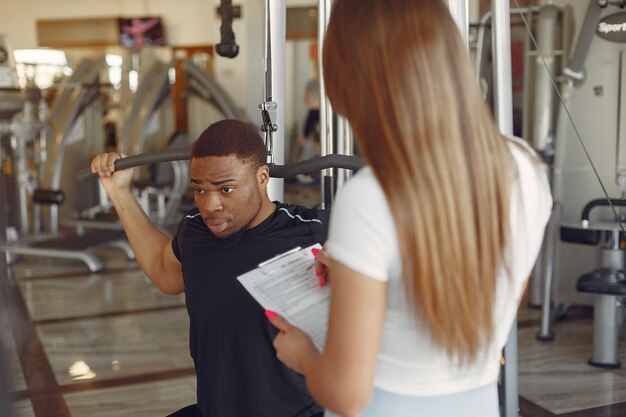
[600, 202]
[48, 197]
[316, 164]
[166, 155]
[277, 171]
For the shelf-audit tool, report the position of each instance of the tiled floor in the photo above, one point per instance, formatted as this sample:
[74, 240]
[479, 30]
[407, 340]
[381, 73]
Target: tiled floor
[23, 408]
[61, 297]
[137, 400]
[556, 377]
[109, 344]
[114, 345]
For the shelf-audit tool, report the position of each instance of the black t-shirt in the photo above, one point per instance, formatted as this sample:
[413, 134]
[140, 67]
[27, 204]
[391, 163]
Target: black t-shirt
[230, 338]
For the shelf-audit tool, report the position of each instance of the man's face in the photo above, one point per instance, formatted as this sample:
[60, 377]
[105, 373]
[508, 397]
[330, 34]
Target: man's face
[228, 193]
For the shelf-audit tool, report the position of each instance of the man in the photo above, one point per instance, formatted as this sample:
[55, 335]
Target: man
[233, 228]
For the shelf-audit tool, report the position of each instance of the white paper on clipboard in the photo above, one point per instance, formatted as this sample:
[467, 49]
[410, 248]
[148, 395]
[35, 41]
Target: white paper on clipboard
[287, 284]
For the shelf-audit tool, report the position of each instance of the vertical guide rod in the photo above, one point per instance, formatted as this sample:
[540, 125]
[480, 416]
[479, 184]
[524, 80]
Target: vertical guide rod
[4, 278]
[277, 17]
[503, 85]
[326, 112]
[459, 11]
[335, 131]
[345, 146]
[503, 90]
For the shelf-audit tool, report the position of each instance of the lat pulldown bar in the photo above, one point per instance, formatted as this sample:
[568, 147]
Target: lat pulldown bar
[277, 171]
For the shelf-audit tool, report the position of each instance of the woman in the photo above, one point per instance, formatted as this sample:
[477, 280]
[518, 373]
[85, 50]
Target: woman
[431, 245]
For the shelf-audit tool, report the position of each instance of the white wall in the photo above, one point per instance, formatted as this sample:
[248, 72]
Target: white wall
[187, 22]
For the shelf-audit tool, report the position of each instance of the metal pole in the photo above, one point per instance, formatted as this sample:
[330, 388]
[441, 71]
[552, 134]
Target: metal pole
[459, 11]
[503, 85]
[5, 401]
[22, 173]
[503, 91]
[510, 402]
[576, 68]
[278, 33]
[345, 146]
[541, 136]
[547, 272]
[326, 112]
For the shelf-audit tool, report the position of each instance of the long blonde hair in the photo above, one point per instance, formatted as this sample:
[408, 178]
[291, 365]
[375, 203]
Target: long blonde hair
[400, 73]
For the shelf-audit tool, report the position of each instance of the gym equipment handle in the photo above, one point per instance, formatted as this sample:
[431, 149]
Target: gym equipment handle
[600, 202]
[175, 154]
[318, 163]
[277, 171]
[48, 197]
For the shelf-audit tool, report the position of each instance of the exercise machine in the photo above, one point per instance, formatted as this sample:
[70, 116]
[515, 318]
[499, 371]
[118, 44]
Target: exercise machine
[590, 172]
[74, 112]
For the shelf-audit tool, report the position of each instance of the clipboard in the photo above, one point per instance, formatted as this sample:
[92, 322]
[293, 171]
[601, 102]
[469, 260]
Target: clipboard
[287, 284]
[270, 266]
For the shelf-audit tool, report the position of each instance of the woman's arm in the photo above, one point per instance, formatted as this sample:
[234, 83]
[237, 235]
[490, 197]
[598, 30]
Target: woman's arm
[341, 378]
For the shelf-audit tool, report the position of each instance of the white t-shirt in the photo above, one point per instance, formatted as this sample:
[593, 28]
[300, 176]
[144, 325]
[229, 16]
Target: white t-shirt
[362, 236]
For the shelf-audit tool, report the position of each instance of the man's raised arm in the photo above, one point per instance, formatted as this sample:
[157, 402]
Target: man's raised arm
[153, 248]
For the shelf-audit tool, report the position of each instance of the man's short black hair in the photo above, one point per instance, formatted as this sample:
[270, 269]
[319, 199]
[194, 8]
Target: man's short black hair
[231, 137]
